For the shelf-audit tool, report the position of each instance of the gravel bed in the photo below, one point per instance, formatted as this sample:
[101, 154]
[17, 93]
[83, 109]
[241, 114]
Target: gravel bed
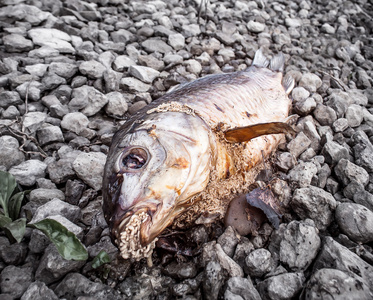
[72, 71]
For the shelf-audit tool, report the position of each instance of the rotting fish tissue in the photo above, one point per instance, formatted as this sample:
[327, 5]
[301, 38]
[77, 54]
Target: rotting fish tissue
[193, 150]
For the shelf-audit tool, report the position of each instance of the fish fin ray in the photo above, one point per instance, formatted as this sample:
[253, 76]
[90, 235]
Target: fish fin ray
[277, 63]
[288, 83]
[247, 133]
[260, 60]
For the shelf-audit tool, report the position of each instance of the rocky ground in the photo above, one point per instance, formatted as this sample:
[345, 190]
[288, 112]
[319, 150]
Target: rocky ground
[73, 71]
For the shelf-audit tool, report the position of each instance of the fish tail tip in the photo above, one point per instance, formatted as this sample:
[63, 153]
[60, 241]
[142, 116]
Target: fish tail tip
[288, 83]
[260, 60]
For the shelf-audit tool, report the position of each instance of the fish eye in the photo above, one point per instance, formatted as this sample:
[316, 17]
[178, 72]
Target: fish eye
[134, 159]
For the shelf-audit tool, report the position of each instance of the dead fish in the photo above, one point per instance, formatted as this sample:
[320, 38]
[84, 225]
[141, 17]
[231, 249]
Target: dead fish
[196, 144]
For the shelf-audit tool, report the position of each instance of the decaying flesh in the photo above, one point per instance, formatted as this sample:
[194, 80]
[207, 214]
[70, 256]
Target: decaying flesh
[192, 151]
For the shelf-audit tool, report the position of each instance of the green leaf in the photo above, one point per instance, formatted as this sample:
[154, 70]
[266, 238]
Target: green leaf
[14, 205]
[4, 220]
[68, 245]
[101, 259]
[16, 230]
[7, 185]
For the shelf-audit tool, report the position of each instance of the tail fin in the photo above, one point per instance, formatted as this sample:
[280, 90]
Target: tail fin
[288, 84]
[277, 63]
[260, 60]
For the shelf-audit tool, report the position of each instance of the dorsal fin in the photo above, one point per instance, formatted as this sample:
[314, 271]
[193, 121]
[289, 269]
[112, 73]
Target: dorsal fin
[288, 84]
[277, 63]
[247, 133]
[260, 60]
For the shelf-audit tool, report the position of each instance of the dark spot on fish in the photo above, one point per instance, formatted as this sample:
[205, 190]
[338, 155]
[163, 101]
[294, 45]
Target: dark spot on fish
[247, 114]
[181, 163]
[218, 108]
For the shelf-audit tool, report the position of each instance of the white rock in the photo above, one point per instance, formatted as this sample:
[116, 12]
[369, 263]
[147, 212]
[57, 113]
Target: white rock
[90, 168]
[145, 74]
[27, 172]
[255, 27]
[117, 105]
[53, 38]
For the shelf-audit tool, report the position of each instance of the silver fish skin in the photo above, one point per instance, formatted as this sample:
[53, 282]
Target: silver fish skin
[164, 156]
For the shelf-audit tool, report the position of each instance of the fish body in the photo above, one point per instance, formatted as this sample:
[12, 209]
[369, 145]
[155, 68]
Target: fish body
[194, 144]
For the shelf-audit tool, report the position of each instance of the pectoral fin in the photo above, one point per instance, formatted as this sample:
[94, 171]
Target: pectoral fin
[244, 134]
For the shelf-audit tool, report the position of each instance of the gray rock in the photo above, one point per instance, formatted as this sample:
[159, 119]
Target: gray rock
[357, 97]
[301, 175]
[145, 74]
[228, 241]
[214, 277]
[38, 290]
[75, 122]
[324, 115]
[122, 63]
[28, 13]
[60, 171]
[299, 144]
[305, 107]
[259, 262]
[12, 254]
[32, 89]
[340, 125]
[156, 45]
[346, 172]
[363, 150]
[341, 285]
[117, 105]
[90, 168]
[93, 69]
[243, 248]
[53, 267]
[255, 27]
[354, 115]
[191, 30]
[177, 41]
[352, 188]
[240, 288]
[15, 280]
[356, 221]
[227, 263]
[122, 36]
[281, 287]
[335, 256]
[193, 66]
[88, 100]
[65, 70]
[181, 270]
[28, 172]
[293, 22]
[9, 98]
[339, 102]
[11, 113]
[43, 52]
[137, 288]
[49, 134]
[134, 85]
[314, 203]
[300, 245]
[310, 82]
[323, 175]
[364, 198]
[34, 120]
[17, 43]
[51, 81]
[10, 155]
[334, 152]
[152, 62]
[285, 161]
[56, 207]
[53, 38]
[42, 195]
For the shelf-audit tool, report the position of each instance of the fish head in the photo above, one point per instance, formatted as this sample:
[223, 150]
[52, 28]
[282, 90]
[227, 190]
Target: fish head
[154, 171]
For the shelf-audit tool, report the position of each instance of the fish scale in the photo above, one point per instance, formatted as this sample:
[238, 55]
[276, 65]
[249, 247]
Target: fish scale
[191, 151]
